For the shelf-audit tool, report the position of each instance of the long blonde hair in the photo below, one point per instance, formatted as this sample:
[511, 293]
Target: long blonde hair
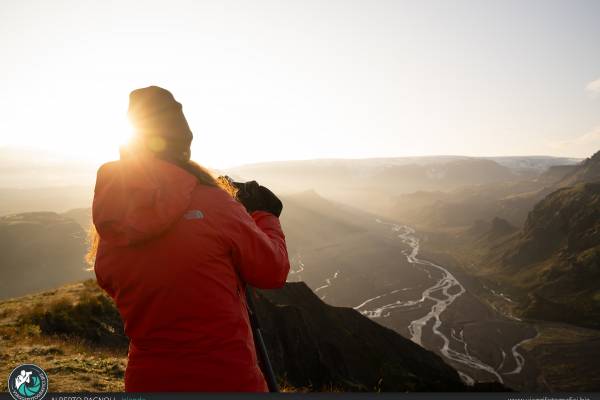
[204, 177]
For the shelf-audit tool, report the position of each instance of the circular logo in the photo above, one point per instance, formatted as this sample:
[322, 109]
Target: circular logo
[28, 382]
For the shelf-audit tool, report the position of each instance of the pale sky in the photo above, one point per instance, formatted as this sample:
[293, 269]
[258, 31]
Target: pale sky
[277, 80]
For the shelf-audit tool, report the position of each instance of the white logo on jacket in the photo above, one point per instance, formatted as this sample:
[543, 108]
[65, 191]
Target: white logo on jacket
[193, 214]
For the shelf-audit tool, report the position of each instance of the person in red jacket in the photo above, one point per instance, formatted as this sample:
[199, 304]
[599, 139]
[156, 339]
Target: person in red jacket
[175, 250]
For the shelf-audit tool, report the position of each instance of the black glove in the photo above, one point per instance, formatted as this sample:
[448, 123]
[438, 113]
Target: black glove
[257, 198]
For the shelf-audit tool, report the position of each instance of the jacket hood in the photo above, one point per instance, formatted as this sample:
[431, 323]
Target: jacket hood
[138, 198]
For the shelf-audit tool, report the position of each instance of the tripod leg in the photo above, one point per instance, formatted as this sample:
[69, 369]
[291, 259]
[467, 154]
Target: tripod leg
[259, 343]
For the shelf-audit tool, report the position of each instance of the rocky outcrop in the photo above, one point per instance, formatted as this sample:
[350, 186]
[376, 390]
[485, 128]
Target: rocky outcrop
[316, 345]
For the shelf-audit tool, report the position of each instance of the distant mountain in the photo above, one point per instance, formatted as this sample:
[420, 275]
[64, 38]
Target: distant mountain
[518, 164]
[389, 176]
[531, 166]
[510, 200]
[445, 176]
[39, 251]
[34, 180]
[445, 191]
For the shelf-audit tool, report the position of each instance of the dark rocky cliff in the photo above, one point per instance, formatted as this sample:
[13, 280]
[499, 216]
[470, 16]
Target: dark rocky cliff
[316, 345]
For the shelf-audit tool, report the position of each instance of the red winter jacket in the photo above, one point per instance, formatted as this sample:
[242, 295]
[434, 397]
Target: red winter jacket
[175, 255]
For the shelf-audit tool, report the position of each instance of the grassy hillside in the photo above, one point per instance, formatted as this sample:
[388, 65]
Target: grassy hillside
[63, 331]
[557, 256]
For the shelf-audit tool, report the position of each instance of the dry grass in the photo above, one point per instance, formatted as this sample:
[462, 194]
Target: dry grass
[72, 364]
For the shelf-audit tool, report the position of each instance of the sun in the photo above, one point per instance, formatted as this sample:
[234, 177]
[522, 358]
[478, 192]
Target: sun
[91, 130]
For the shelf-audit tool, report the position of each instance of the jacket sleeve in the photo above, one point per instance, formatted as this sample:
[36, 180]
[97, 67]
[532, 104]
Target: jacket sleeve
[259, 249]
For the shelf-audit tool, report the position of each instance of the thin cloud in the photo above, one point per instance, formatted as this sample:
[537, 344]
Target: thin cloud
[587, 143]
[593, 88]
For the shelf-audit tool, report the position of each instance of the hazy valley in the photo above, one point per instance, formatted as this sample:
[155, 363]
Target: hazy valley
[490, 263]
